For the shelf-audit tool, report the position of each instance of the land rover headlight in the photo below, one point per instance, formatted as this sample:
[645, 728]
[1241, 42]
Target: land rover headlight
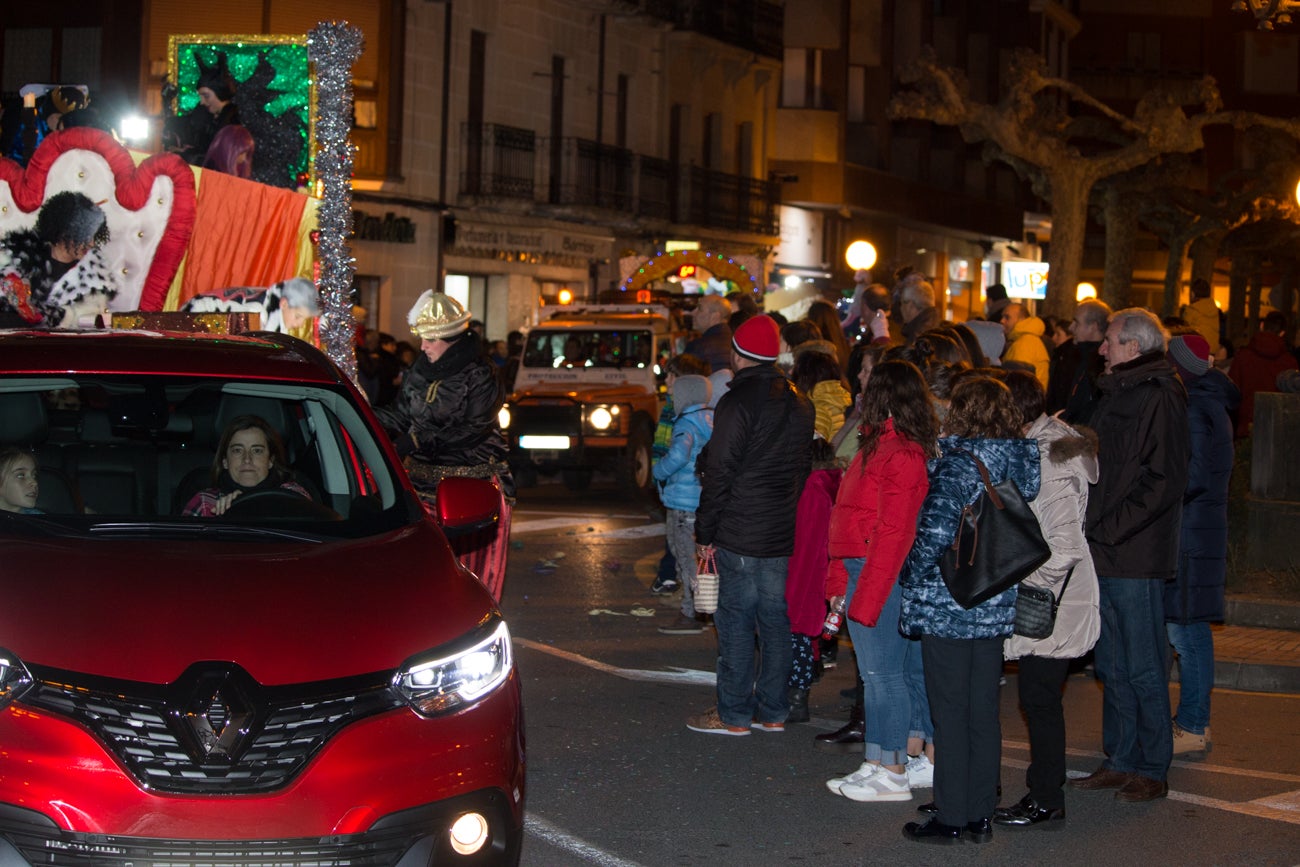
[14, 678]
[602, 418]
[444, 682]
[503, 417]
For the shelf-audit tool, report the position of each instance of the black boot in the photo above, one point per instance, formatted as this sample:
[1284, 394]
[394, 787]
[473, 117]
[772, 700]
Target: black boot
[849, 739]
[798, 705]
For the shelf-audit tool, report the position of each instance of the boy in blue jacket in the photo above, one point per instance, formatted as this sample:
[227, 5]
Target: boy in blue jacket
[680, 489]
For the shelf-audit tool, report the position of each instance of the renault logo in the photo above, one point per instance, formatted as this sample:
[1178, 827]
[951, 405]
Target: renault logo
[216, 711]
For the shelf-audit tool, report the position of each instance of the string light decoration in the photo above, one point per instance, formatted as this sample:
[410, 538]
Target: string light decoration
[333, 47]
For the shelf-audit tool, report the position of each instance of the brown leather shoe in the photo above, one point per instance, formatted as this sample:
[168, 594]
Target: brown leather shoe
[1140, 788]
[1102, 778]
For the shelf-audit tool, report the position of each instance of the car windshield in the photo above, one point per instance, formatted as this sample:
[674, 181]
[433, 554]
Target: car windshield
[589, 348]
[119, 453]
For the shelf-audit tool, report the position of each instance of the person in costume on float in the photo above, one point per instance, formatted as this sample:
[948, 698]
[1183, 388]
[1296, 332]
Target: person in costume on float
[44, 110]
[191, 134]
[444, 423]
[249, 459]
[285, 307]
[55, 273]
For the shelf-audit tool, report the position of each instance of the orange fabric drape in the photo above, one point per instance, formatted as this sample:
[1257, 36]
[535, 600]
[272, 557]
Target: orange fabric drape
[245, 234]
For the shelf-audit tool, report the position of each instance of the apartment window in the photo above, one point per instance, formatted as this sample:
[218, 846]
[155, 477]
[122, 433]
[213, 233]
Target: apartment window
[801, 78]
[620, 112]
[712, 143]
[745, 149]
[857, 96]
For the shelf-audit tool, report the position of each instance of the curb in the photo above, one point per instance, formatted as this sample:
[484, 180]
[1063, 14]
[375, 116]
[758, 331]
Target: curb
[1262, 612]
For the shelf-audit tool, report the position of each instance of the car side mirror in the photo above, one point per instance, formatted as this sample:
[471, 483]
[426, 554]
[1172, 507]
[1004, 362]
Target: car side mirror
[467, 505]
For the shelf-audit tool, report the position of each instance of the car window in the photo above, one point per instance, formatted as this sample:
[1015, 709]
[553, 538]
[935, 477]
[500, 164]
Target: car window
[589, 348]
[148, 448]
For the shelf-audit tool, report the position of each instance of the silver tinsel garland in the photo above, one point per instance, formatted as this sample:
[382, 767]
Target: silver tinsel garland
[333, 47]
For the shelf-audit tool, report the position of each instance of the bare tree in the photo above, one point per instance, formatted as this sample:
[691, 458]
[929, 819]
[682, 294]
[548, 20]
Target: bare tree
[1063, 154]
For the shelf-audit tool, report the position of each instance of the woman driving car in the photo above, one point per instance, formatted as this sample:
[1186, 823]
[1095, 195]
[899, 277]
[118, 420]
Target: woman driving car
[249, 459]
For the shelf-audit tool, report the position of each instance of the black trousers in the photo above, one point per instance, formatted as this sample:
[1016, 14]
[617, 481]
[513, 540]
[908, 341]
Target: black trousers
[961, 679]
[1041, 682]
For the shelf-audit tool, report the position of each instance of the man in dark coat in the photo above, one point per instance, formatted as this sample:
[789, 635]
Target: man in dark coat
[753, 473]
[1194, 599]
[714, 343]
[1134, 511]
[916, 306]
[1077, 365]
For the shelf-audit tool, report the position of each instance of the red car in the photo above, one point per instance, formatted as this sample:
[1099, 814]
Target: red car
[307, 676]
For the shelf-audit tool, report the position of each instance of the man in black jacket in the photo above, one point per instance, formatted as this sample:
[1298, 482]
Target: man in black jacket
[753, 472]
[714, 342]
[1072, 384]
[1134, 512]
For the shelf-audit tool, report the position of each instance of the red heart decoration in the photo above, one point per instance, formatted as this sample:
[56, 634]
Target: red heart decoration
[134, 186]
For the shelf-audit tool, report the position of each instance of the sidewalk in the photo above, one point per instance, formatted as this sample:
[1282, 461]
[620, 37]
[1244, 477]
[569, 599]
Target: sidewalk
[1258, 649]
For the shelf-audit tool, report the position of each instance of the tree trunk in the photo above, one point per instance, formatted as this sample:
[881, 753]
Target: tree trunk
[1121, 216]
[1204, 251]
[1173, 277]
[1256, 289]
[1069, 225]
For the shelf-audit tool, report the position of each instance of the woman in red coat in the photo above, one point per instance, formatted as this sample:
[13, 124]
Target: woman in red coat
[873, 523]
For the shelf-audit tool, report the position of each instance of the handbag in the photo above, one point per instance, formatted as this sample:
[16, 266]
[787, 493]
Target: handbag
[705, 586]
[997, 544]
[1036, 609]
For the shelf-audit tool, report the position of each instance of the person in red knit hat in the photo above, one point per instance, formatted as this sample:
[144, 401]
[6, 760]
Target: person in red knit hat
[753, 472]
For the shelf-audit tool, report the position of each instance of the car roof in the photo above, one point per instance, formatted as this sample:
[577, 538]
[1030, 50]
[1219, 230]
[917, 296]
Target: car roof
[261, 355]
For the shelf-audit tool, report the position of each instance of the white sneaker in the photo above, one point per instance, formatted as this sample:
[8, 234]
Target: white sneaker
[860, 774]
[920, 772]
[881, 786]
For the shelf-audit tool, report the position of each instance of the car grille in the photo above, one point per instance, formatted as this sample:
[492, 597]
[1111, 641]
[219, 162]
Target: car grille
[414, 837]
[215, 730]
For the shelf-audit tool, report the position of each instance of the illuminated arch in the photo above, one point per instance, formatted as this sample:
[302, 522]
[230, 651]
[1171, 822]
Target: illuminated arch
[720, 265]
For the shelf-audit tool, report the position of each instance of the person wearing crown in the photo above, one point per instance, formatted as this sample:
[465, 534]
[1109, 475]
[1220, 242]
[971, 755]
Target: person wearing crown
[444, 423]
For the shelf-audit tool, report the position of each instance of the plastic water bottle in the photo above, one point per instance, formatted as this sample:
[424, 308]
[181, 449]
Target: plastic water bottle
[834, 619]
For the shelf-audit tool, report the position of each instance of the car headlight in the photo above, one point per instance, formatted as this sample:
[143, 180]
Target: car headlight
[454, 680]
[14, 678]
[602, 418]
[503, 417]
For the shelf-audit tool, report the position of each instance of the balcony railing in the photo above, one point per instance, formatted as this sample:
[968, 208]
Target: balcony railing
[755, 25]
[499, 161]
[593, 174]
[507, 162]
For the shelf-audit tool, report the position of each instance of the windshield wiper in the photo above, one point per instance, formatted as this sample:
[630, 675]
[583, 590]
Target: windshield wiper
[156, 528]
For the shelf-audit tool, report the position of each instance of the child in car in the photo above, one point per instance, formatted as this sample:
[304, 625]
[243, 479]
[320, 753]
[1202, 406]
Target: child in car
[18, 485]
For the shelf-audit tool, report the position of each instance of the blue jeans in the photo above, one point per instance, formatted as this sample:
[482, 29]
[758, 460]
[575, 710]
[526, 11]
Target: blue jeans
[1194, 643]
[1131, 665]
[885, 657]
[752, 610]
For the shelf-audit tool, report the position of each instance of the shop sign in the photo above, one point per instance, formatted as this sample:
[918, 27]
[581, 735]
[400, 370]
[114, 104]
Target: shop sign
[388, 229]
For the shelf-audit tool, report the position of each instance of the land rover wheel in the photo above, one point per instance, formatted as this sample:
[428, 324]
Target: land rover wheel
[634, 474]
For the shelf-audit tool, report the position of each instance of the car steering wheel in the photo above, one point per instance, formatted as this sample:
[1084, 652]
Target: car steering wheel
[280, 503]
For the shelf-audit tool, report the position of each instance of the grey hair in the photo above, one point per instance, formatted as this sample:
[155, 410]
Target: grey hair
[920, 293]
[300, 292]
[715, 305]
[1140, 326]
[1096, 313]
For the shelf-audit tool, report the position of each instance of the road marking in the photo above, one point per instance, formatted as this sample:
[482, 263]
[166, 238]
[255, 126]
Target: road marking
[541, 525]
[687, 676]
[571, 844]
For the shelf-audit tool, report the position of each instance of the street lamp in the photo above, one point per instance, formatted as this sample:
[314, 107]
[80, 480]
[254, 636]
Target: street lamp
[860, 255]
[1085, 290]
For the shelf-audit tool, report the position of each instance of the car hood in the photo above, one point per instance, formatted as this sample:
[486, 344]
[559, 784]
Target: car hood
[287, 612]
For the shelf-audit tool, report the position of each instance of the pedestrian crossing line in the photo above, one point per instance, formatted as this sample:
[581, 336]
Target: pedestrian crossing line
[684, 676]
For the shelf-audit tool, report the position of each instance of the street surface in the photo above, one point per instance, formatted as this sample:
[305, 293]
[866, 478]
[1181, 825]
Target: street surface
[615, 778]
